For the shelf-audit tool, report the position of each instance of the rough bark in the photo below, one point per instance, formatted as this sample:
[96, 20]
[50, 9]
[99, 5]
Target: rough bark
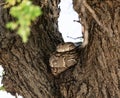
[26, 66]
[97, 74]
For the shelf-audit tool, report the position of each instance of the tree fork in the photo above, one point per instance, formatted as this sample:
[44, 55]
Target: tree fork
[96, 75]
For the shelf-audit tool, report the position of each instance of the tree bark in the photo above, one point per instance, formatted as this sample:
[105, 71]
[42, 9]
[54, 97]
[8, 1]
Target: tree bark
[97, 74]
[26, 66]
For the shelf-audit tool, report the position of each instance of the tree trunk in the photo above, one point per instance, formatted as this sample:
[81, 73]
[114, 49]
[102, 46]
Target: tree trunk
[97, 74]
[26, 66]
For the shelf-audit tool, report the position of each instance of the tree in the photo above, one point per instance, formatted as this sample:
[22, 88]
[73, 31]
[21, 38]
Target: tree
[96, 75]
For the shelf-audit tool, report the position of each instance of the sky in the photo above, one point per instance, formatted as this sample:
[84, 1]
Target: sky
[67, 27]
[66, 23]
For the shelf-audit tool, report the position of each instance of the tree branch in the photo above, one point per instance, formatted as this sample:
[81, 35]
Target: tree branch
[2, 4]
[94, 15]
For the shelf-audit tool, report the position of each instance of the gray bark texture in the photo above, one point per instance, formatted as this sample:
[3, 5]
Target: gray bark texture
[97, 73]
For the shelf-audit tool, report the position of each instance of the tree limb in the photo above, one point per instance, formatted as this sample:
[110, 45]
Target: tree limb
[94, 15]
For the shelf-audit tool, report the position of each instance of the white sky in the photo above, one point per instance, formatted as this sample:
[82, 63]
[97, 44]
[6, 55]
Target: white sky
[66, 23]
[66, 26]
